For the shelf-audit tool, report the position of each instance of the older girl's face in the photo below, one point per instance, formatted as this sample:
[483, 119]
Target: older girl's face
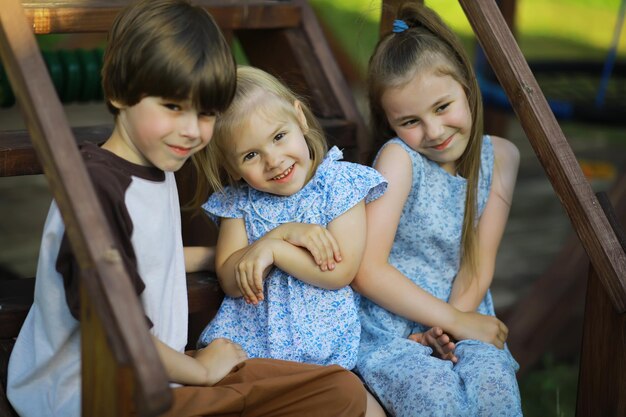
[271, 155]
[431, 114]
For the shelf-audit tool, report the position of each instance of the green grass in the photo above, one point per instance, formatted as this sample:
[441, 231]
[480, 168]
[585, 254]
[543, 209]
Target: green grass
[550, 389]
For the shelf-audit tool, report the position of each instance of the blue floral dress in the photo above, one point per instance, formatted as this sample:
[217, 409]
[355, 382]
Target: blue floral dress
[297, 321]
[403, 374]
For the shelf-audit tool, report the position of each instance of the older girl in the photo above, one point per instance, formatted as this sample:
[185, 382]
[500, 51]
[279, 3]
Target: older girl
[432, 238]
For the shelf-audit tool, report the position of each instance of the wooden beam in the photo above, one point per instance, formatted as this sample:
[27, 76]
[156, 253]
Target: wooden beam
[84, 16]
[551, 147]
[110, 296]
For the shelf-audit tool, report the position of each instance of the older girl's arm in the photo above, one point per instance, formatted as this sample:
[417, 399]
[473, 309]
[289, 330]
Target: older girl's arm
[386, 286]
[469, 289]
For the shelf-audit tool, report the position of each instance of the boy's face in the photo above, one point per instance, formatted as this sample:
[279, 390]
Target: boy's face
[160, 132]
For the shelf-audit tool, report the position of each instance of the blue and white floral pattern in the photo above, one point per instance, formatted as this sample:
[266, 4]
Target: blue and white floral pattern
[403, 374]
[297, 321]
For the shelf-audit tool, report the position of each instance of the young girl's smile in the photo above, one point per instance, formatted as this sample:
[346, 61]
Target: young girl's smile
[431, 114]
[271, 156]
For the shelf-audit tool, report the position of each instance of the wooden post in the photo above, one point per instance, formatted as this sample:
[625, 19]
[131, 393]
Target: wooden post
[551, 147]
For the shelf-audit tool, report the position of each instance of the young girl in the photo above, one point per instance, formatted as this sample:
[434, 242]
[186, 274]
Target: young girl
[291, 228]
[433, 237]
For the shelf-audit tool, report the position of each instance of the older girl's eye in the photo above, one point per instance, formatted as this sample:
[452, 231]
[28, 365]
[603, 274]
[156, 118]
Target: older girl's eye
[279, 136]
[410, 123]
[249, 156]
[442, 108]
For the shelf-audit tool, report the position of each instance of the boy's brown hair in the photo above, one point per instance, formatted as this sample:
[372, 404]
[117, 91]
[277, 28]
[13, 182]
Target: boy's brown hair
[170, 49]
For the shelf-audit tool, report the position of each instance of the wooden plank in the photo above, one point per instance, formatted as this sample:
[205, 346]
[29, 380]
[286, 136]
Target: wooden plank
[76, 16]
[388, 14]
[601, 382]
[338, 84]
[550, 315]
[551, 147]
[5, 351]
[17, 156]
[107, 280]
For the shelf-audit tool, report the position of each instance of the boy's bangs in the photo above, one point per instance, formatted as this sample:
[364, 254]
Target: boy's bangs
[209, 83]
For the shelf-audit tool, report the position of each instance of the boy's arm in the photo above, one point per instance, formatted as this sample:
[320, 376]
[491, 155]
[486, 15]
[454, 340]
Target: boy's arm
[207, 367]
[386, 286]
[469, 289]
[199, 258]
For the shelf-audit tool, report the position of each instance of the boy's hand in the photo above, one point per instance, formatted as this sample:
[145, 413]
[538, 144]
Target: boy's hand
[477, 326]
[317, 240]
[219, 358]
[252, 268]
[438, 341]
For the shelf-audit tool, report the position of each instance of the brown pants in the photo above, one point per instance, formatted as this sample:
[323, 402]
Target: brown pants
[272, 388]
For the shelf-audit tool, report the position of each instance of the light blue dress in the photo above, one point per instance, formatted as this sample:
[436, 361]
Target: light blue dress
[297, 321]
[402, 373]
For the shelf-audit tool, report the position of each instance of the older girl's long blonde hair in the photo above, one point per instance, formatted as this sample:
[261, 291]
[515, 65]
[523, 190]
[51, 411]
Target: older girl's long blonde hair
[257, 91]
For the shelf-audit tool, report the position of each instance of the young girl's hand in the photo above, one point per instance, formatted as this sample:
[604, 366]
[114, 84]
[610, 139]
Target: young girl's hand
[219, 358]
[253, 266]
[438, 341]
[317, 240]
[481, 327]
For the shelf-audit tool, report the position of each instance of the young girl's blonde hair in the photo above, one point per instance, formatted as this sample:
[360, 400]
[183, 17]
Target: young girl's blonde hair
[429, 45]
[257, 91]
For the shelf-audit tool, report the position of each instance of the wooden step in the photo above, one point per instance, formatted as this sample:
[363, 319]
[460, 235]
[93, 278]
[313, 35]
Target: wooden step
[203, 291]
[17, 156]
[78, 16]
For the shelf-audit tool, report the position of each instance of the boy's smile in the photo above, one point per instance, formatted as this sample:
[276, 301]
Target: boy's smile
[160, 132]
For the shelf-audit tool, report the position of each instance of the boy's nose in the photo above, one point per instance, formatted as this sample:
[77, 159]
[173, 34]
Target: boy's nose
[191, 126]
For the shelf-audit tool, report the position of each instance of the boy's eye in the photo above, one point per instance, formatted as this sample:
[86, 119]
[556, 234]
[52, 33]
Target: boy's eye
[172, 106]
[208, 113]
[249, 156]
[279, 136]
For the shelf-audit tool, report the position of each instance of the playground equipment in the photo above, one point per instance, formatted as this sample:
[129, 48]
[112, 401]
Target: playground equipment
[583, 90]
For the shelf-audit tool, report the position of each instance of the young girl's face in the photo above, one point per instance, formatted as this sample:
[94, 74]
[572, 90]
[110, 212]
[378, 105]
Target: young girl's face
[271, 155]
[431, 115]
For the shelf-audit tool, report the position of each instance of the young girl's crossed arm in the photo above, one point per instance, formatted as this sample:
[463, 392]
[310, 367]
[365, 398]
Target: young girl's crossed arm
[309, 252]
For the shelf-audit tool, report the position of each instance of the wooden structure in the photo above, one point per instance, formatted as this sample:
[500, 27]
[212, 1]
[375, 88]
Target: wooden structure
[602, 387]
[121, 372]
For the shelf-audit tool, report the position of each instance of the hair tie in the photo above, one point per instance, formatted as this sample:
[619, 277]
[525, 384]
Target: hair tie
[399, 26]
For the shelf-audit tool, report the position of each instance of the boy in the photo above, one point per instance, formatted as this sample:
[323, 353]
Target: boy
[167, 72]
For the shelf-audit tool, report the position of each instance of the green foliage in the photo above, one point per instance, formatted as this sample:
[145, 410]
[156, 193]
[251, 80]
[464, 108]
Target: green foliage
[546, 29]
